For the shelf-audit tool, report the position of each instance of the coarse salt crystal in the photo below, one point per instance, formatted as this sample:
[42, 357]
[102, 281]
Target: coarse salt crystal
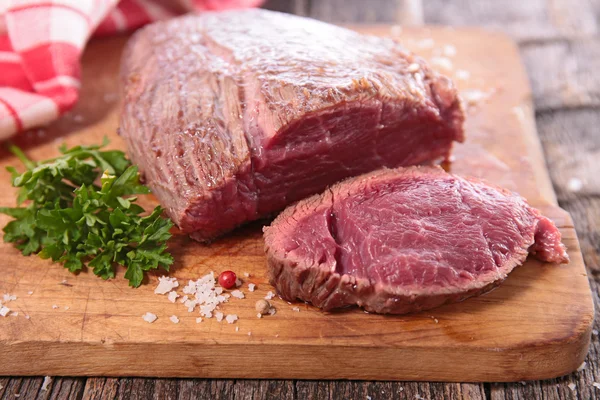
[27, 317]
[581, 367]
[30, 292]
[198, 320]
[67, 307]
[231, 318]
[238, 282]
[272, 311]
[219, 290]
[297, 309]
[251, 287]
[414, 67]
[473, 97]
[9, 297]
[14, 314]
[172, 296]
[166, 284]
[259, 315]
[442, 62]
[238, 294]
[4, 311]
[462, 74]
[575, 184]
[174, 319]
[596, 385]
[249, 333]
[149, 317]
[46, 383]
[54, 306]
[436, 320]
[247, 275]
[595, 332]
[237, 328]
[449, 50]
[519, 113]
[269, 295]
[572, 386]
[219, 316]
[183, 299]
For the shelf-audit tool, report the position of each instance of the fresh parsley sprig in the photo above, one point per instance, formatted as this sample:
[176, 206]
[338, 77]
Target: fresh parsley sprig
[62, 214]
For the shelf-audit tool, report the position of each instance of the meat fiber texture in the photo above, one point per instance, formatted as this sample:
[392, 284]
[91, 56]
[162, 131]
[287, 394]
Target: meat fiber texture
[403, 240]
[232, 116]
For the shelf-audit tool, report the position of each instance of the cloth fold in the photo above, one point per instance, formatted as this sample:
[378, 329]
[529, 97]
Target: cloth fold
[41, 43]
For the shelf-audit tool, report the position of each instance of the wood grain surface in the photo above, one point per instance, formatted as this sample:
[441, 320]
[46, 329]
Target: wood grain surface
[569, 135]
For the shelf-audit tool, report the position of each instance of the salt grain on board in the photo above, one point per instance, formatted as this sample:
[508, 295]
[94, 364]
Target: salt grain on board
[30, 292]
[581, 367]
[297, 309]
[9, 297]
[269, 295]
[462, 74]
[237, 328]
[449, 50]
[572, 386]
[4, 311]
[172, 296]
[54, 306]
[14, 314]
[519, 113]
[251, 287]
[231, 318]
[574, 185]
[473, 96]
[166, 284]
[46, 383]
[238, 294]
[259, 315]
[27, 317]
[219, 316]
[238, 282]
[442, 62]
[246, 274]
[174, 319]
[149, 317]
[198, 320]
[272, 311]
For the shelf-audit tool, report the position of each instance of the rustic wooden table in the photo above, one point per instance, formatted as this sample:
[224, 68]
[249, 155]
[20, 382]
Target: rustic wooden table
[560, 45]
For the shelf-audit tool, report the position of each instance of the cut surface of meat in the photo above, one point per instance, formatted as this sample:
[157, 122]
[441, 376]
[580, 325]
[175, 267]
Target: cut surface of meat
[232, 116]
[404, 240]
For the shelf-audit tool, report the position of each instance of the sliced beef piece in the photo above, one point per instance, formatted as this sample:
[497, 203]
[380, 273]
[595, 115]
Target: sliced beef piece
[232, 116]
[403, 240]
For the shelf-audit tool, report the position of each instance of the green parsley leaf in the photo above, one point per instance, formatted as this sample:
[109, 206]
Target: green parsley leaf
[69, 218]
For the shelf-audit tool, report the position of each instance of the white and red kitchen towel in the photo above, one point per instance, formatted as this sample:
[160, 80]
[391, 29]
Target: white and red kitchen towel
[41, 43]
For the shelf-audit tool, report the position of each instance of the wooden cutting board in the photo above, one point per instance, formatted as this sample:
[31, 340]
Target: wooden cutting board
[536, 325]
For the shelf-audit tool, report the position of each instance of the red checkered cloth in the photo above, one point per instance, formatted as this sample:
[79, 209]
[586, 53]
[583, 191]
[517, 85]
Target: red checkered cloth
[41, 42]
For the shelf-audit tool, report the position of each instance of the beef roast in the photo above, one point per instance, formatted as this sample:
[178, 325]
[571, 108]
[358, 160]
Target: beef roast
[232, 116]
[404, 240]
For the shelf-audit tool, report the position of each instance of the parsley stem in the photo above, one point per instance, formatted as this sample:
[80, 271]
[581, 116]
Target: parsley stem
[21, 156]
